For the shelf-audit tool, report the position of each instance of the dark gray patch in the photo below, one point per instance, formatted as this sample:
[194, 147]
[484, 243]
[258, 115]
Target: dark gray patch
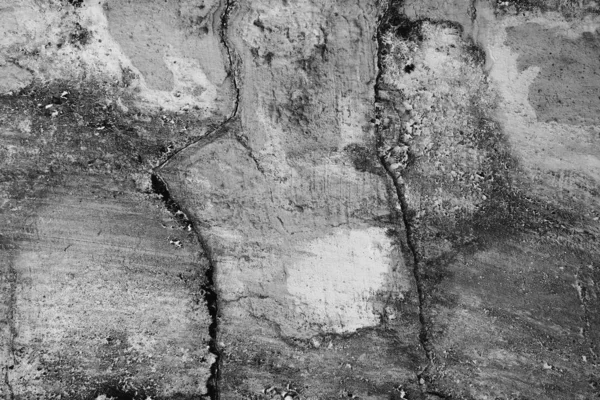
[567, 89]
[364, 159]
[79, 36]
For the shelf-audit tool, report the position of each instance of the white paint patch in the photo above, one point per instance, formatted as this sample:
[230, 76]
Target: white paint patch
[334, 283]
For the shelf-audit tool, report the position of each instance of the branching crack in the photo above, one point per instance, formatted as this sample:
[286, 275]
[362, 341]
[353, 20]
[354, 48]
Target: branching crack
[160, 186]
[233, 63]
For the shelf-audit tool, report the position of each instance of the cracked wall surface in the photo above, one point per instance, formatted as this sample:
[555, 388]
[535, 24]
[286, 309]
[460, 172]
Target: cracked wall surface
[296, 210]
[104, 284]
[299, 199]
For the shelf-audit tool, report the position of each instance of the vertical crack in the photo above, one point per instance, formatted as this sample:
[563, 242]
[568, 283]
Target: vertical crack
[160, 187]
[395, 160]
[232, 58]
[472, 10]
[583, 294]
[233, 65]
[416, 256]
[11, 279]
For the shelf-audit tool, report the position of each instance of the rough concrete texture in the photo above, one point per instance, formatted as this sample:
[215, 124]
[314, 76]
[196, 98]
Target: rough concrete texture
[102, 286]
[298, 213]
[299, 199]
[501, 243]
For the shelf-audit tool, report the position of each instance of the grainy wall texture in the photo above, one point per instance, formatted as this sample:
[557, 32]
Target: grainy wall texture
[299, 199]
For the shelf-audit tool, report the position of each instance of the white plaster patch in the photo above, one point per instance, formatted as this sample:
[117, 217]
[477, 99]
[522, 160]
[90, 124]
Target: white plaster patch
[334, 283]
[192, 87]
[40, 28]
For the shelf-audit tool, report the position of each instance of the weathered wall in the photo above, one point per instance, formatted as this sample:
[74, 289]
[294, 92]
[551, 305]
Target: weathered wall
[103, 284]
[314, 199]
[297, 212]
[500, 186]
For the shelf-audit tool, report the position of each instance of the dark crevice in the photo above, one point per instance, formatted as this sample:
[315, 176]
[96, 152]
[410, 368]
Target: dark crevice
[10, 322]
[400, 187]
[243, 140]
[231, 56]
[75, 3]
[416, 256]
[582, 292]
[472, 10]
[233, 62]
[160, 187]
[402, 26]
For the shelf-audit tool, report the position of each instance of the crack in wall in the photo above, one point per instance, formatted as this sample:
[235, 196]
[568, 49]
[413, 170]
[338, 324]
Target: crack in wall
[583, 294]
[472, 10]
[161, 187]
[11, 278]
[417, 258]
[395, 166]
[233, 65]
[231, 56]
